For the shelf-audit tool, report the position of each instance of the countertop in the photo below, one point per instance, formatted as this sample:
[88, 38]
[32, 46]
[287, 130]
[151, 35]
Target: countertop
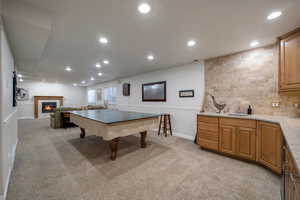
[290, 128]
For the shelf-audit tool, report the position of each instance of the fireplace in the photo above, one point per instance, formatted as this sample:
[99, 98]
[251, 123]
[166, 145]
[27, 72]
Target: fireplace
[44, 105]
[48, 107]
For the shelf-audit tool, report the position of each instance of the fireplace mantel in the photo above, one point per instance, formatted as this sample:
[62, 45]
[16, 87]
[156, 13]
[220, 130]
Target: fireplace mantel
[39, 98]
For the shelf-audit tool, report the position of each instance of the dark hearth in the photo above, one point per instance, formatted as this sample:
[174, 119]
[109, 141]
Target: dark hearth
[48, 107]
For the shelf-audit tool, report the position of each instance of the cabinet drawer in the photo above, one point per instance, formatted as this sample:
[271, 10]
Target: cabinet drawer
[247, 123]
[208, 119]
[208, 127]
[208, 144]
[208, 135]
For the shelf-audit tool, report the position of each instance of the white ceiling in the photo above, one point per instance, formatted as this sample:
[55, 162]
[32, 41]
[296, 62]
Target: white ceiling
[47, 35]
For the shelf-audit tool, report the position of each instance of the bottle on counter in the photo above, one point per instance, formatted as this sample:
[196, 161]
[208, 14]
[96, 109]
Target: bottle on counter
[249, 110]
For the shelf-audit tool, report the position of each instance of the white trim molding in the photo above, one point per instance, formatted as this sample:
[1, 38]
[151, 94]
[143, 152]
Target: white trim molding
[26, 117]
[5, 121]
[193, 108]
[9, 133]
[4, 195]
[184, 136]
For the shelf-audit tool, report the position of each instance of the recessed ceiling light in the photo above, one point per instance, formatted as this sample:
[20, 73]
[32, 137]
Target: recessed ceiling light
[191, 43]
[144, 8]
[83, 82]
[98, 65]
[92, 79]
[103, 40]
[106, 62]
[150, 57]
[274, 15]
[74, 84]
[21, 80]
[20, 75]
[99, 74]
[254, 43]
[68, 68]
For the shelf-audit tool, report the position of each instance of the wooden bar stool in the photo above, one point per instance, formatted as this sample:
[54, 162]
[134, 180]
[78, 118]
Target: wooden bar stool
[165, 124]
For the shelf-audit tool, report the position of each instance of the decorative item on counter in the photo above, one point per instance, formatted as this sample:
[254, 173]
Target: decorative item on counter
[220, 107]
[244, 105]
[249, 110]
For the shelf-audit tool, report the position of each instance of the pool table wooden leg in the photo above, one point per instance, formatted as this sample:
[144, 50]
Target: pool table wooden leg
[113, 144]
[82, 134]
[143, 139]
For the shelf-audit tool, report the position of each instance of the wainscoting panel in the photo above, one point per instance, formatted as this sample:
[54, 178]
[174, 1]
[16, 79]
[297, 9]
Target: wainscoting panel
[9, 140]
[183, 119]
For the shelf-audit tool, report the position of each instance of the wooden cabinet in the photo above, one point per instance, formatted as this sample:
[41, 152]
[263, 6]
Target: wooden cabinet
[252, 140]
[232, 136]
[238, 137]
[289, 162]
[269, 146]
[289, 66]
[246, 143]
[208, 132]
[291, 178]
[227, 139]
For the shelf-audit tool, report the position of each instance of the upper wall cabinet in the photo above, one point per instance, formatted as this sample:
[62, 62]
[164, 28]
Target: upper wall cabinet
[289, 66]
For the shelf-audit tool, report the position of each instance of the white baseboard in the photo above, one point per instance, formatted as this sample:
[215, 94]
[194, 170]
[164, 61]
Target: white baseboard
[188, 137]
[3, 196]
[176, 134]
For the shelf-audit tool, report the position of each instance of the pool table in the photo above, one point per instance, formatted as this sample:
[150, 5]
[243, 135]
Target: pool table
[111, 125]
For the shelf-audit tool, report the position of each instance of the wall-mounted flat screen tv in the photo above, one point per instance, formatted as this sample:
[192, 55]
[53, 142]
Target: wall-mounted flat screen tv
[14, 89]
[154, 91]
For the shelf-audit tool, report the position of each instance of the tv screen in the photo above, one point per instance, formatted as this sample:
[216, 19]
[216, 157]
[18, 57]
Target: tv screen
[154, 91]
[14, 100]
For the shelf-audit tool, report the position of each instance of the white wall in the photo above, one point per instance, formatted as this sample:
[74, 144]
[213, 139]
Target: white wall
[183, 110]
[8, 123]
[73, 96]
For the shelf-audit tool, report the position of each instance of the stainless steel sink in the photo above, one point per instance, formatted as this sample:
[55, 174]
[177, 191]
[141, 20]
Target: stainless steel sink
[238, 114]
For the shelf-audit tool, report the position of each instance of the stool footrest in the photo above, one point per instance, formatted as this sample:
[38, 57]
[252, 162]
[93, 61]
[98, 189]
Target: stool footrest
[165, 125]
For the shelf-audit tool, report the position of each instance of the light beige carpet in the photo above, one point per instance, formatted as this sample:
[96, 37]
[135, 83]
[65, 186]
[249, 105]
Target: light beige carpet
[58, 165]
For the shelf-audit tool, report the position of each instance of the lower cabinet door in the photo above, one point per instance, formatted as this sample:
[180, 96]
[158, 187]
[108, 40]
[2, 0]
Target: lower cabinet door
[227, 141]
[269, 146]
[246, 143]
